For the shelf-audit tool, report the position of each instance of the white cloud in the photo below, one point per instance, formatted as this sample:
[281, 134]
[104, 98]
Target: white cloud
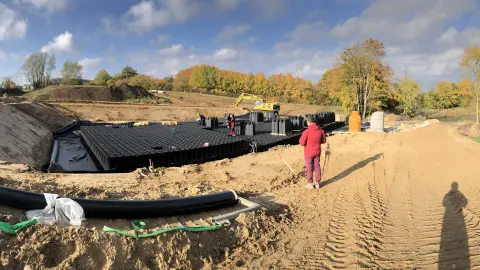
[50, 5]
[270, 8]
[90, 63]
[428, 68]
[61, 43]
[303, 34]
[396, 22]
[11, 24]
[232, 31]
[162, 39]
[228, 4]
[225, 54]
[2, 55]
[146, 16]
[174, 50]
[453, 38]
[307, 71]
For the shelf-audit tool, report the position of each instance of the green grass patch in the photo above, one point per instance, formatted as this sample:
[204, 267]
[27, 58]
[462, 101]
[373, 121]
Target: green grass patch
[476, 139]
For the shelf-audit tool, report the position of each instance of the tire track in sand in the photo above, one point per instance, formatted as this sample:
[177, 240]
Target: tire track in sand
[336, 248]
[398, 250]
[369, 222]
[317, 228]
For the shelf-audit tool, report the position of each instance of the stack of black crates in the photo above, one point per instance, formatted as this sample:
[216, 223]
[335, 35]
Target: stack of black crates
[256, 117]
[250, 129]
[298, 122]
[240, 128]
[270, 116]
[212, 122]
[323, 118]
[282, 126]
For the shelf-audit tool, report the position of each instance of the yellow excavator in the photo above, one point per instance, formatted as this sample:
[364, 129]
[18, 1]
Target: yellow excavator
[260, 104]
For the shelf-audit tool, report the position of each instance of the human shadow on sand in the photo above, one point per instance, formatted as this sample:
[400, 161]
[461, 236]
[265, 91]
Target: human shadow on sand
[454, 251]
[350, 170]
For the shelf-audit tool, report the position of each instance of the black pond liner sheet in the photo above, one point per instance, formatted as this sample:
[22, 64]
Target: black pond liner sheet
[114, 209]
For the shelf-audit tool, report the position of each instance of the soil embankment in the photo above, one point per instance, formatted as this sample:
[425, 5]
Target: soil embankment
[141, 112]
[26, 132]
[119, 93]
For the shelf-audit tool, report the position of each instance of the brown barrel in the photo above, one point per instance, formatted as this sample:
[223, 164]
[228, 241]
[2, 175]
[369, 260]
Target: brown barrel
[354, 122]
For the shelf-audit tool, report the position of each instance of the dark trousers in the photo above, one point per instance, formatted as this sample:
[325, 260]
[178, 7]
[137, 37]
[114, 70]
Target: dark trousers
[312, 164]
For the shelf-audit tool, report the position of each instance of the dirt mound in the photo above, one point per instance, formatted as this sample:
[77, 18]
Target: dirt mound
[52, 118]
[117, 93]
[42, 247]
[471, 130]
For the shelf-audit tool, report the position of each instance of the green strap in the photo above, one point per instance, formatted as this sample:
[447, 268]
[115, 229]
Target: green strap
[138, 224]
[14, 229]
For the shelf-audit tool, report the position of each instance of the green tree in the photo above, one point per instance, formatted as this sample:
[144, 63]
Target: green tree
[71, 72]
[102, 77]
[431, 100]
[128, 72]
[38, 68]
[365, 71]
[407, 92]
[470, 69]
[447, 95]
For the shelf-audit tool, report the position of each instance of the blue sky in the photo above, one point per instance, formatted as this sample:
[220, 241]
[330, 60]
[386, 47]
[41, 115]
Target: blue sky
[160, 37]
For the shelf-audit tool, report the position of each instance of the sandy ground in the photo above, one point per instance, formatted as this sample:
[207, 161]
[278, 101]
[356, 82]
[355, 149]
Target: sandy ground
[387, 201]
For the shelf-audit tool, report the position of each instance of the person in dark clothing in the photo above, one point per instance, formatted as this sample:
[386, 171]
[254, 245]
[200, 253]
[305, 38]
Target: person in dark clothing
[202, 120]
[312, 139]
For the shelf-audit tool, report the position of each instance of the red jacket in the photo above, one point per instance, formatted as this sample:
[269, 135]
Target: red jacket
[312, 138]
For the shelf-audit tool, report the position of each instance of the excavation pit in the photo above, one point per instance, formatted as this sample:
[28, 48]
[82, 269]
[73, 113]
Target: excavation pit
[124, 148]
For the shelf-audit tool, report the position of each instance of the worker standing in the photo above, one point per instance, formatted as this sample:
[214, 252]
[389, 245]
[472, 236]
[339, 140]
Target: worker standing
[312, 139]
[231, 121]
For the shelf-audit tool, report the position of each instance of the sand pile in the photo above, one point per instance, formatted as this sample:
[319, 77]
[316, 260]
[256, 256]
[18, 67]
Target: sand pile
[117, 93]
[40, 247]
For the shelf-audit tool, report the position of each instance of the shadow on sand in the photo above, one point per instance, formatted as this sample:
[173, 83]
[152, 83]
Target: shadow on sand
[454, 251]
[350, 170]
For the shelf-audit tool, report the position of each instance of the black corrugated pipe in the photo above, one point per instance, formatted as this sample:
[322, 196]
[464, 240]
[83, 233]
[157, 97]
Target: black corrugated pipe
[94, 208]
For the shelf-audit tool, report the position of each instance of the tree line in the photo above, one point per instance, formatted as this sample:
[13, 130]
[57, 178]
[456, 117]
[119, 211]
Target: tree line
[360, 80]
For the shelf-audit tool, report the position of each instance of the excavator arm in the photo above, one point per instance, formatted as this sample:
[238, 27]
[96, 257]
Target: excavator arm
[245, 96]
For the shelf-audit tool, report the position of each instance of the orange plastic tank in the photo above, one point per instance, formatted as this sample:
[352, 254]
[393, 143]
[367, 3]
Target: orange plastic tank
[354, 122]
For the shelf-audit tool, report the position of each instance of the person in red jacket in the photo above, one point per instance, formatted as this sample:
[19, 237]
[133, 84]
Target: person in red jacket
[312, 139]
[231, 121]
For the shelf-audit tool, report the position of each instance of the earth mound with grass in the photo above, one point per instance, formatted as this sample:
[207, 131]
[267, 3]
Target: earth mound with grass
[119, 93]
[471, 130]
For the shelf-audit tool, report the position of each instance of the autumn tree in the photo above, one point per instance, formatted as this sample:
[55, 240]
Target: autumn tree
[465, 90]
[102, 77]
[38, 68]
[365, 72]
[407, 92]
[334, 85]
[7, 83]
[71, 72]
[470, 69]
[447, 95]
